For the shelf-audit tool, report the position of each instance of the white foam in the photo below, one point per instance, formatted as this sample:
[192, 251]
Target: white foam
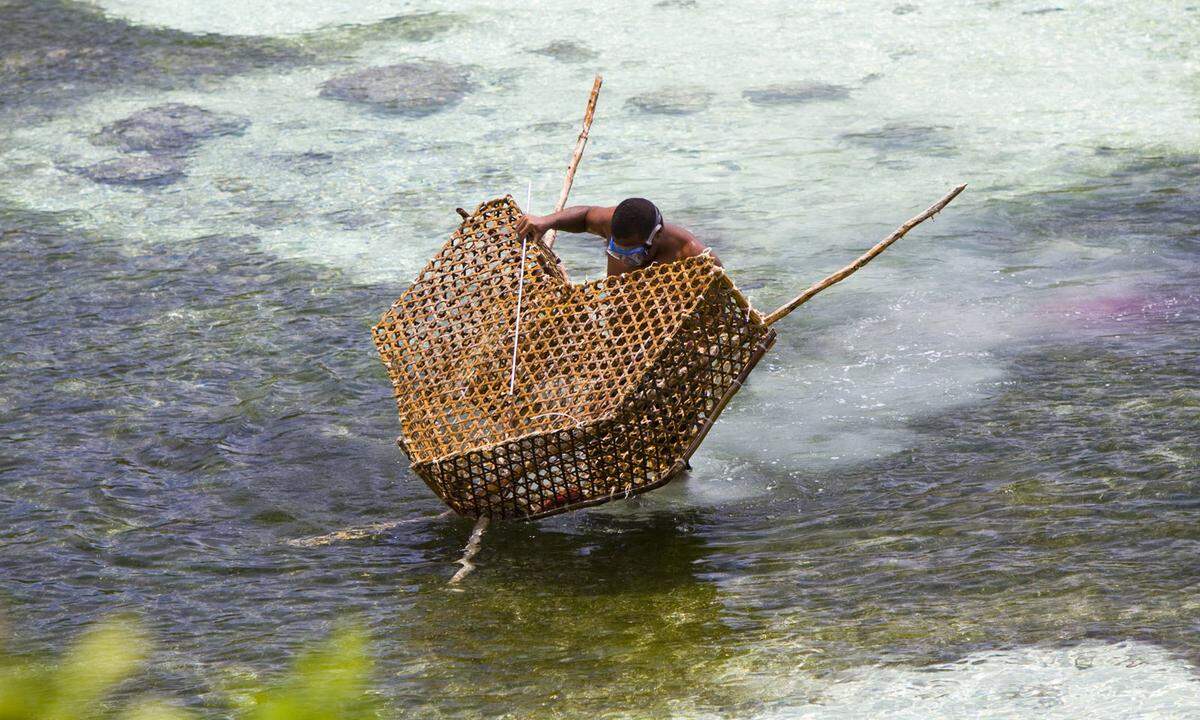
[278, 17]
[1094, 680]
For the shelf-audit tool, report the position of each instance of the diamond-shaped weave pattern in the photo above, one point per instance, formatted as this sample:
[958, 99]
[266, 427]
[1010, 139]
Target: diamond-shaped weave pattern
[617, 380]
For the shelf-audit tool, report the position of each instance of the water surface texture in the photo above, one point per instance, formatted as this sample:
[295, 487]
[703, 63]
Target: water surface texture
[962, 484]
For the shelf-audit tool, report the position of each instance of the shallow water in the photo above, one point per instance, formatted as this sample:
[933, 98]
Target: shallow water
[963, 483]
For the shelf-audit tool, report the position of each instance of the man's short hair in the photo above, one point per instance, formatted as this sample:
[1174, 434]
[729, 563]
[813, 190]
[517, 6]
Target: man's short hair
[634, 218]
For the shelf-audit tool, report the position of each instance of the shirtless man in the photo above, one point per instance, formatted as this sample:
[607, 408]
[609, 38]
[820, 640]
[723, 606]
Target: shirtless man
[636, 233]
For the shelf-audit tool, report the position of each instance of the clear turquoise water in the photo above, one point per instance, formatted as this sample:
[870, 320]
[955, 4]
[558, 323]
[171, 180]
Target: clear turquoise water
[963, 484]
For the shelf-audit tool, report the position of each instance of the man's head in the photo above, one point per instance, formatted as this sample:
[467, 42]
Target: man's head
[634, 222]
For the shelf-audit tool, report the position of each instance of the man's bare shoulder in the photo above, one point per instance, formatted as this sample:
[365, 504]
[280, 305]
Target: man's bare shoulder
[599, 220]
[682, 241]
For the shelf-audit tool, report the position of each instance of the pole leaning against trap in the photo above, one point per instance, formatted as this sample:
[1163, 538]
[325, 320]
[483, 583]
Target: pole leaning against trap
[576, 156]
[569, 180]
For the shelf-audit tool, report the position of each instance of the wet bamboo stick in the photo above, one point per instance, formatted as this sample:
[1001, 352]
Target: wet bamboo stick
[580, 144]
[471, 550]
[863, 259]
[362, 533]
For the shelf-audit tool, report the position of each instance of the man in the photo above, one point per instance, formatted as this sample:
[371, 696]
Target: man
[636, 233]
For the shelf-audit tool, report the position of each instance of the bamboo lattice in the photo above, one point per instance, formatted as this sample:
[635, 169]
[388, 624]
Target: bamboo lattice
[617, 380]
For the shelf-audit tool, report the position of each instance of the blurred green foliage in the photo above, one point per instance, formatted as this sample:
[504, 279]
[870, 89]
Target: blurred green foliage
[330, 682]
[97, 678]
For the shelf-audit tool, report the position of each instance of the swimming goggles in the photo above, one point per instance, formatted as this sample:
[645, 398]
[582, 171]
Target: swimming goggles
[635, 256]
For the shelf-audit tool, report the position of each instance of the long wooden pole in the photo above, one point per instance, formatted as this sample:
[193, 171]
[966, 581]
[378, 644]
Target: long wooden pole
[580, 144]
[863, 259]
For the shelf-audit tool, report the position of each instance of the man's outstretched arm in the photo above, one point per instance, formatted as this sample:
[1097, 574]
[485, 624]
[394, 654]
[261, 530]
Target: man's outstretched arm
[592, 219]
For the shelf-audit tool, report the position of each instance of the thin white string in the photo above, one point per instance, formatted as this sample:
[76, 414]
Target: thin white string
[512, 376]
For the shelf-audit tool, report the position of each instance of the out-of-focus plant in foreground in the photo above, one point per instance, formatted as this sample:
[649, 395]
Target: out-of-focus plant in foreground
[96, 679]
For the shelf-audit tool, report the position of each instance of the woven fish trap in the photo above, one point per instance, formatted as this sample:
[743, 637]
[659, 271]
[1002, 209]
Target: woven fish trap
[616, 383]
